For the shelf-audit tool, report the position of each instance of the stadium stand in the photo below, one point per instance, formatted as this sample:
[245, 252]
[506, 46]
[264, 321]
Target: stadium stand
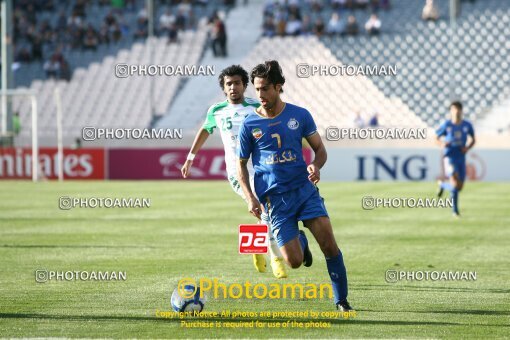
[45, 28]
[93, 70]
[117, 101]
[330, 107]
[417, 96]
[199, 92]
[480, 69]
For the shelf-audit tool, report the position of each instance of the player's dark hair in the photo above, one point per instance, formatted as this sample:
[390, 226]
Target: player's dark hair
[271, 71]
[457, 104]
[233, 70]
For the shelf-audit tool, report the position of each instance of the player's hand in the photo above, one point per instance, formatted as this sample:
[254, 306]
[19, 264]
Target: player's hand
[254, 207]
[185, 168]
[464, 149]
[314, 173]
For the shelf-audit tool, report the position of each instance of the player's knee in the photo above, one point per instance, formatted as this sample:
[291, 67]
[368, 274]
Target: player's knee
[294, 261]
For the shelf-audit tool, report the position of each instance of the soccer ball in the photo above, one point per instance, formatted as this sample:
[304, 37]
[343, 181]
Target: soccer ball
[187, 299]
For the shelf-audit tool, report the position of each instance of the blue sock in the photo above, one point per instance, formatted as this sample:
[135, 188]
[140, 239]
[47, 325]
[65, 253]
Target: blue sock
[303, 241]
[455, 196]
[338, 275]
[447, 186]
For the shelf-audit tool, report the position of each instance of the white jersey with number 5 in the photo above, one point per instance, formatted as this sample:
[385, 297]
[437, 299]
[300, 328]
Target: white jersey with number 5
[227, 118]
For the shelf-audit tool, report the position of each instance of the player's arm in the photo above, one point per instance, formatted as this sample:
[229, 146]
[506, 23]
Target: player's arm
[315, 142]
[244, 152]
[471, 142]
[441, 132]
[200, 138]
[199, 141]
[244, 179]
[440, 142]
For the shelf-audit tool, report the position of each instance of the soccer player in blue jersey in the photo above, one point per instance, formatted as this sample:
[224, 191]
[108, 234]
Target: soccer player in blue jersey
[272, 136]
[455, 133]
[227, 117]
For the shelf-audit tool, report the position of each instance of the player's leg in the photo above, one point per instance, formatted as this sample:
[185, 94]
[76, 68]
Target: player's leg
[323, 232]
[315, 217]
[454, 173]
[292, 243]
[449, 171]
[259, 260]
[457, 182]
[277, 264]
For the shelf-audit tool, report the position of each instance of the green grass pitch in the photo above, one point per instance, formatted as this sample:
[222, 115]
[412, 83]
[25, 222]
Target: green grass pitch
[190, 230]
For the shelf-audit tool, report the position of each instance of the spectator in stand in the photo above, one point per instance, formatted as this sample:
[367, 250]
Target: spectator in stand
[76, 37]
[52, 66]
[181, 19]
[335, 25]
[116, 33]
[172, 33]
[430, 11]
[269, 29]
[79, 8]
[316, 5]
[23, 55]
[294, 10]
[280, 28]
[118, 5]
[385, 4]
[61, 24]
[110, 19]
[219, 37]
[166, 20]
[341, 4]
[358, 121]
[374, 121]
[318, 27]
[373, 25]
[90, 40]
[65, 70]
[141, 28]
[123, 27]
[352, 26]
[104, 34]
[37, 49]
[293, 26]
[306, 25]
[361, 4]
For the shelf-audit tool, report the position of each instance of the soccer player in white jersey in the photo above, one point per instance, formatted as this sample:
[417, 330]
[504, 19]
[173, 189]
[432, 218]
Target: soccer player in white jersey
[228, 116]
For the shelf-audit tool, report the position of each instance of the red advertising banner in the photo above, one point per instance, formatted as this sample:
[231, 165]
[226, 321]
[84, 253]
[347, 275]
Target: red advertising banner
[167, 163]
[164, 164]
[16, 163]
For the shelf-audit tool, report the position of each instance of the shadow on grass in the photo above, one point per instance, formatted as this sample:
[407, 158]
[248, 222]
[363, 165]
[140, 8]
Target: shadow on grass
[395, 286]
[154, 318]
[70, 246]
[468, 311]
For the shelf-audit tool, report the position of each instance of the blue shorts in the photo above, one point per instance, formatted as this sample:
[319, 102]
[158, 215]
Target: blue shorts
[287, 209]
[455, 165]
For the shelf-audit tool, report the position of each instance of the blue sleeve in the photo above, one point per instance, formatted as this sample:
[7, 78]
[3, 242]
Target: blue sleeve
[309, 127]
[441, 131]
[245, 143]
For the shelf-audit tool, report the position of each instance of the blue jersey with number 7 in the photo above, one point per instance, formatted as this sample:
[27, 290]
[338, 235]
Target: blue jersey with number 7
[275, 145]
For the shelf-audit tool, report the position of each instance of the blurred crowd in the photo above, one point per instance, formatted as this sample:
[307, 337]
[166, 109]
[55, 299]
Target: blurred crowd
[45, 30]
[288, 18]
